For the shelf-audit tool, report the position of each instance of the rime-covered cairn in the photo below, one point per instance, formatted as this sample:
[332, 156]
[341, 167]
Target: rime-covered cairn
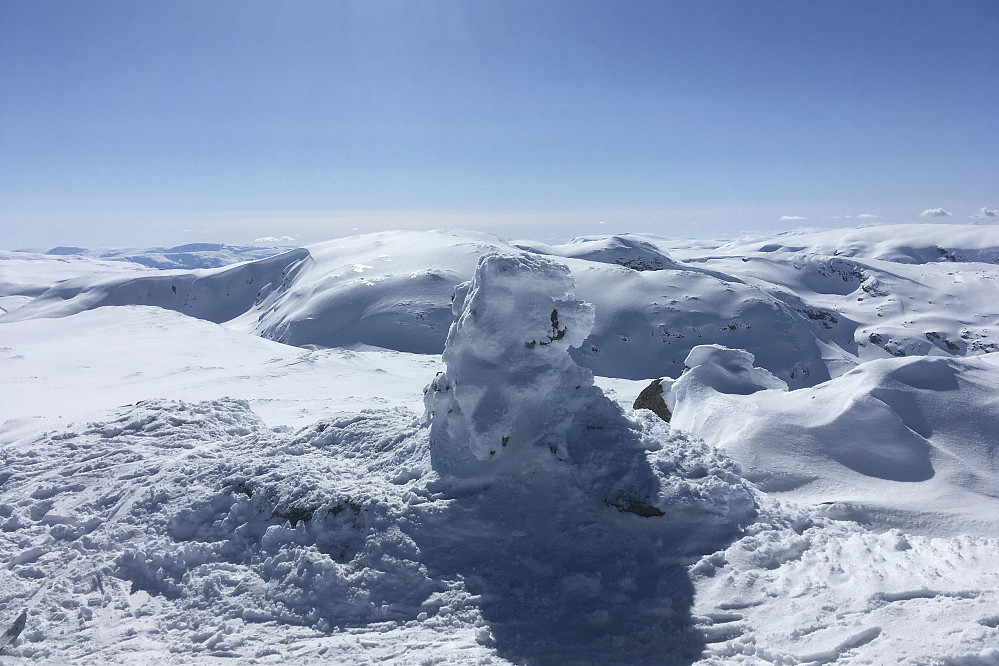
[512, 400]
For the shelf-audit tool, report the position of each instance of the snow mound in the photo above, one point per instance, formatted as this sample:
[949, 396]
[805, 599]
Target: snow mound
[723, 370]
[626, 250]
[510, 390]
[907, 443]
[528, 446]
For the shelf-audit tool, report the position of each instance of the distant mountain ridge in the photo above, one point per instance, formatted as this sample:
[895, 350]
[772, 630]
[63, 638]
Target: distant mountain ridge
[808, 305]
[190, 255]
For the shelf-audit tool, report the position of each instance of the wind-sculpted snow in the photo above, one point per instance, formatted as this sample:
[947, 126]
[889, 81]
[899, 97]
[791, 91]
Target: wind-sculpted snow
[513, 408]
[881, 441]
[804, 586]
[511, 391]
[723, 370]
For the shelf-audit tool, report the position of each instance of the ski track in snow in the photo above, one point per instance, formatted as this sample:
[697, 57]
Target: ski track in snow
[144, 518]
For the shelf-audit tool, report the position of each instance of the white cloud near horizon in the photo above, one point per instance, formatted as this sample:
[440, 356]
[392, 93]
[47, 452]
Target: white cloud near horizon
[791, 218]
[986, 216]
[861, 216]
[935, 212]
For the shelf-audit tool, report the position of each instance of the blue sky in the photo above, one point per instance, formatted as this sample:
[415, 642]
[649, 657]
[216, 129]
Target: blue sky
[125, 123]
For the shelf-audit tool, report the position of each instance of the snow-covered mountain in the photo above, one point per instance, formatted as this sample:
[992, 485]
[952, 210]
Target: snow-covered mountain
[189, 256]
[271, 460]
[809, 307]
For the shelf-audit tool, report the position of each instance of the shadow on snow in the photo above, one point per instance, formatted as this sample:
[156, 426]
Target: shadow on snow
[564, 579]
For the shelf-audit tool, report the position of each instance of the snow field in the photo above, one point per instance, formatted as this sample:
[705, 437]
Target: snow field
[174, 531]
[824, 493]
[809, 306]
[200, 517]
[802, 588]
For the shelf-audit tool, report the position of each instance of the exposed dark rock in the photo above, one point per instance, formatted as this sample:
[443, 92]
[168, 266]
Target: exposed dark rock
[651, 398]
[629, 505]
[295, 513]
[15, 630]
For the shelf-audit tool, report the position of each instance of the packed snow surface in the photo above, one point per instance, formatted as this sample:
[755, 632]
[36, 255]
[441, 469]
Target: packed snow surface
[420, 447]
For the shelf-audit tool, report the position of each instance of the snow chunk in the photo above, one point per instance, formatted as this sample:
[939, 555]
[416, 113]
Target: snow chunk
[511, 390]
[724, 370]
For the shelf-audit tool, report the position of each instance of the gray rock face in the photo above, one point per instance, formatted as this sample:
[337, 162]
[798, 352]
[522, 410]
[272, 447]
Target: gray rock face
[15, 630]
[651, 398]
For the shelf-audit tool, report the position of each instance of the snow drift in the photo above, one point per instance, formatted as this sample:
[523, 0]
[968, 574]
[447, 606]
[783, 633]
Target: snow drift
[884, 443]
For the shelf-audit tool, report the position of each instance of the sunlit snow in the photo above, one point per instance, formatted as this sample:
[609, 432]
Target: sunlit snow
[421, 447]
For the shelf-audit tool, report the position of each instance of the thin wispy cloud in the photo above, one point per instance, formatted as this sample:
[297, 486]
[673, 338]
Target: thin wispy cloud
[935, 212]
[986, 216]
[791, 218]
[861, 216]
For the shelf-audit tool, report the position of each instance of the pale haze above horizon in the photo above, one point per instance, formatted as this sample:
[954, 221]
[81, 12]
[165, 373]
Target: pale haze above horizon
[161, 123]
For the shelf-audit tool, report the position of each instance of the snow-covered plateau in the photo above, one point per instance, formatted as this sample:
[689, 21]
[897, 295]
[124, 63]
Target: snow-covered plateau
[443, 447]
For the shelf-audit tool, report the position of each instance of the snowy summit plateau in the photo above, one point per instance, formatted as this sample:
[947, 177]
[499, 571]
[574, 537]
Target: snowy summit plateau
[443, 447]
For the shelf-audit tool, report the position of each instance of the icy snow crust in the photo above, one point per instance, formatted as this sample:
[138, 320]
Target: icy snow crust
[825, 492]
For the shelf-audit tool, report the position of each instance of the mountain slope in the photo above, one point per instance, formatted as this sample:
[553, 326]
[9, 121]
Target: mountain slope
[809, 306]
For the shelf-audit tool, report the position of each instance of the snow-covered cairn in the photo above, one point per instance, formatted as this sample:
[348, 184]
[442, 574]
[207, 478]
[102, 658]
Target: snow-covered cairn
[512, 400]
[510, 389]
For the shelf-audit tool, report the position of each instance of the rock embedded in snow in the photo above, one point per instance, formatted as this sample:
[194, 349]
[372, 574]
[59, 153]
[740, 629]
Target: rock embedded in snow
[14, 630]
[651, 398]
